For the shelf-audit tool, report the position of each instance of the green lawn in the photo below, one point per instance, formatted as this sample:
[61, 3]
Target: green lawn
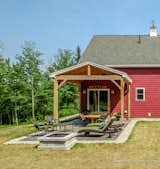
[141, 151]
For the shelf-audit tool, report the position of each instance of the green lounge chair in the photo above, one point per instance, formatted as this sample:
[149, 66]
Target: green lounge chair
[98, 123]
[97, 129]
[102, 118]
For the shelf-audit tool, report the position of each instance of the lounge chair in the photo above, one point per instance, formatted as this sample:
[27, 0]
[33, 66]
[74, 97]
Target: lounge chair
[98, 123]
[102, 118]
[97, 129]
[113, 127]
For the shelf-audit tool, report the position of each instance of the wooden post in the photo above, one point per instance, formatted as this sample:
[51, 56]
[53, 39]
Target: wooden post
[109, 102]
[89, 70]
[129, 100]
[55, 113]
[80, 95]
[122, 100]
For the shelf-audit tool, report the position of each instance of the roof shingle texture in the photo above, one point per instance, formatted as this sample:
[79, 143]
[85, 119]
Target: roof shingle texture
[123, 50]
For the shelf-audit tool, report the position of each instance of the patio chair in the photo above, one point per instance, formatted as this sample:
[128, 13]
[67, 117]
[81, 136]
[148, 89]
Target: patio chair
[99, 122]
[84, 120]
[102, 118]
[102, 128]
[38, 126]
[113, 127]
[59, 125]
[49, 120]
[83, 113]
[82, 116]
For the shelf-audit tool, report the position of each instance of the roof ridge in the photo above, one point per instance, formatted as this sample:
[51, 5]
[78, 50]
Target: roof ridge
[123, 49]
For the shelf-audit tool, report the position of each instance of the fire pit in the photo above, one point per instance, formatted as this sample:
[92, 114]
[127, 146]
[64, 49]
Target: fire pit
[58, 141]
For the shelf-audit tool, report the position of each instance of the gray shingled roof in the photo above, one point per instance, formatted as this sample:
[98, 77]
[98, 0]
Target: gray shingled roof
[123, 50]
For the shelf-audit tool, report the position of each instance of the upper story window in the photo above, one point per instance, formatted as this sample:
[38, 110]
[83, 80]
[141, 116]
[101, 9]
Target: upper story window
[140, 94]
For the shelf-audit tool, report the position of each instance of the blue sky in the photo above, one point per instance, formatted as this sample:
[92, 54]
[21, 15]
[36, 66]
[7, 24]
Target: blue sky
[55, 24]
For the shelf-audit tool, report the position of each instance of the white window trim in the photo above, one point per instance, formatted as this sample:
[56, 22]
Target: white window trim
[140, 100]
[97, 89]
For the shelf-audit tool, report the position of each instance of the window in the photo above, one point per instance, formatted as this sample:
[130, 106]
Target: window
[140, 94]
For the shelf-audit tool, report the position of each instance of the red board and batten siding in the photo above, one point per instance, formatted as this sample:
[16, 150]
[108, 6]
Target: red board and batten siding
[101, 84]
[148, 78]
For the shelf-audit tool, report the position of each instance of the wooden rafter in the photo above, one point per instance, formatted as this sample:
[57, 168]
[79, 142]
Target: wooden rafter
[62, 83]
[119, 87]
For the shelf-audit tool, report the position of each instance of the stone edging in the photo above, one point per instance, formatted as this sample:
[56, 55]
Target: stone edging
[19, 140]
[124, 135]
[122, 138]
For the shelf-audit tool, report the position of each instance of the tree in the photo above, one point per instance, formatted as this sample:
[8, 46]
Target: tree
[45, 96]
[68, 93]
[26, 91]
[78, 54]
[2, 85]
[30, 62]
[18, 95]
[6, 89]
[63, 59]
[5, 68]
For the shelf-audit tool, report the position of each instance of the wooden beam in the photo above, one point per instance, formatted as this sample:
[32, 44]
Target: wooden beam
[119, 87]
[122, 100]
[80, 95]
[109, 101]
[91, 77]
[62, 83]
[129, 100]
[89, 70]
[55, 113]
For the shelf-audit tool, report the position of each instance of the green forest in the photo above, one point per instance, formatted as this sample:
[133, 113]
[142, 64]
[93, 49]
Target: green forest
[26, 89]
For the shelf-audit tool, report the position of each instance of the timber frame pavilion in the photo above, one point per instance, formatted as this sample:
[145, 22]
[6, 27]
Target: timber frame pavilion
[89, 71]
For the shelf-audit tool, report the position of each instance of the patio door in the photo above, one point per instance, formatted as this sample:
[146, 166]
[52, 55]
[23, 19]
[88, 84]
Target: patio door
[98, 100]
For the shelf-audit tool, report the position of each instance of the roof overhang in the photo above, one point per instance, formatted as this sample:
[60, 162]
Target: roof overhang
[135, 66]
[107, 68]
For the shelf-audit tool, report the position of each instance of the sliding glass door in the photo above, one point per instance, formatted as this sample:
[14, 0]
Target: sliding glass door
[98, 100]
[93, 100]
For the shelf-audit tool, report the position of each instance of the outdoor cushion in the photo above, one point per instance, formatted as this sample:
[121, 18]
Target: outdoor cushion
[102, 124]
[90, 129]
[93, 124]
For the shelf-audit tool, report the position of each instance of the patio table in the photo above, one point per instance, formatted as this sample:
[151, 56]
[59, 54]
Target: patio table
[92, 117]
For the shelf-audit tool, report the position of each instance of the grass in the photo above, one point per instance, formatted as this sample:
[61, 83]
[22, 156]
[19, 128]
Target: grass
[68, 112]
[8, 132]
[142, 150]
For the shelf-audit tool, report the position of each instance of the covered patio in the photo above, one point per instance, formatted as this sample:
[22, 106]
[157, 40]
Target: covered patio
[102, 89]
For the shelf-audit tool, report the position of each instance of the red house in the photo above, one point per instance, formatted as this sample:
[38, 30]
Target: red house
[117, 73]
